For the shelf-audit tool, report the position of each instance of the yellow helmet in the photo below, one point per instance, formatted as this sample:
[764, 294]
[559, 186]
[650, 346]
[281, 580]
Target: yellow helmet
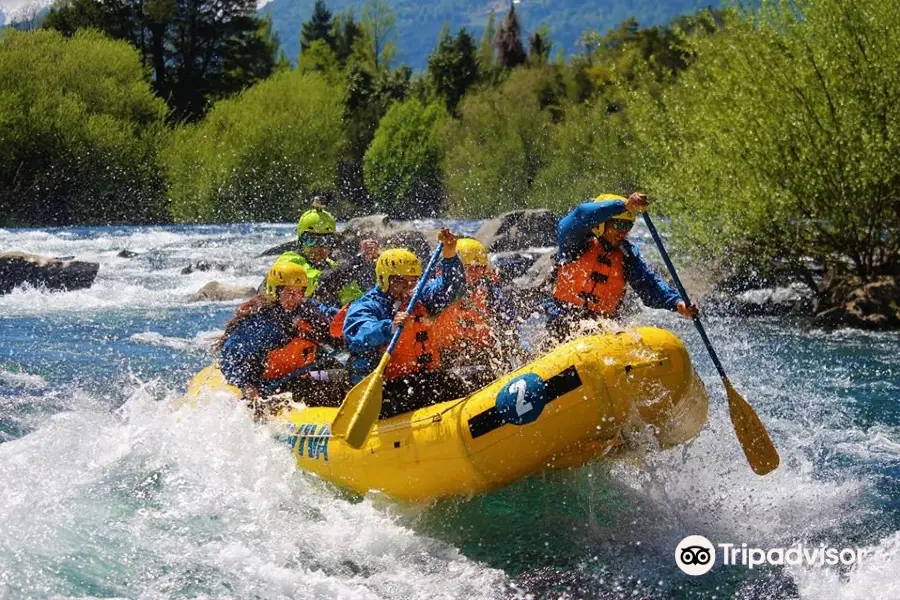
[622, 216]
[396, 261]
[471, 252]
[283, 274]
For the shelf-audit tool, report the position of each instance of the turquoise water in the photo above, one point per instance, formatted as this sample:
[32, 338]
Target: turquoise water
[106, 492]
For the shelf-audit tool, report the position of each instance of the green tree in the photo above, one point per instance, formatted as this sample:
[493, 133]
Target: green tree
[590, 152]
[320, 27]
[402, 165]
[260, 155]
[79, 131]
[371, 88]
[486, 46]
[779, 143]
[346, 33]
[453, 67]
[320, 58]
[379, 22]
[539, 46]
[510, 52]
[498, 146]
[199, 50]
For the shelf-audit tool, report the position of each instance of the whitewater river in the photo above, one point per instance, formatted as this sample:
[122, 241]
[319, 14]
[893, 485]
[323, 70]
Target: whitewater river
[106, 492]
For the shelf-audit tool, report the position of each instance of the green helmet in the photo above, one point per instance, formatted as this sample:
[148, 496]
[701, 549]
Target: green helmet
[316, 221]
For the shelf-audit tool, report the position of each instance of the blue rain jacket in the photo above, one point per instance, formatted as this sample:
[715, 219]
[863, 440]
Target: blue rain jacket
[244, 353]
[369, 319]
[575, 231]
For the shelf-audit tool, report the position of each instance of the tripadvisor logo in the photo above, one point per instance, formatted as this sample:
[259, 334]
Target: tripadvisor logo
[696, 555]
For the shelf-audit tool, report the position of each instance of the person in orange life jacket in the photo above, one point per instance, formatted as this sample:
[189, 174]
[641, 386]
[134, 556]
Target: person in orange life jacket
[413, 377]
[595, 260]
[274, 335]
[478, 330]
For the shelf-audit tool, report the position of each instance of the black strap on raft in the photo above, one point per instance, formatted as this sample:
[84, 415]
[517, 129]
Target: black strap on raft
[557, 386]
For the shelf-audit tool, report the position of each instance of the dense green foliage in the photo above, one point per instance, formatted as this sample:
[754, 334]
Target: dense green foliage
[497, 147]
[419, 23]
[453, 67]
[780, 143]
[200, 50]
[259, 155]
[79, 129]
[402, 165]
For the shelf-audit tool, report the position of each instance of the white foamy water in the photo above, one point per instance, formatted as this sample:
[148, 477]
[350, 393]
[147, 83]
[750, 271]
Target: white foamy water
[876, 578]
[201, 341]
[153, 278]
[22, 379]
[154, 503]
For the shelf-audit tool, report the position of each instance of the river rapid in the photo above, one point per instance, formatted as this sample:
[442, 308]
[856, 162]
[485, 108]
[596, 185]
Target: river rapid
[106, 492]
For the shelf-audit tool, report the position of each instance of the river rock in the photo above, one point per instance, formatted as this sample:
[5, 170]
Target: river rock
[288, 246]
[420, 243]
[792, 299]
[850, 302]
[519, 230]
[125, 253]
[512, 265]
[18, 268]
[215, 291]
[379, 226]
[531, 289]
[203, 266]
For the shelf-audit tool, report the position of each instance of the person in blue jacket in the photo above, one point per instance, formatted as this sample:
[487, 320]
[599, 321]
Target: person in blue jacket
[414, 377]
[595, 261]
[274, 337]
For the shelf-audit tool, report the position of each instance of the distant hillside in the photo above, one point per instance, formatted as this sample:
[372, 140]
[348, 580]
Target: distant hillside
[419, 23]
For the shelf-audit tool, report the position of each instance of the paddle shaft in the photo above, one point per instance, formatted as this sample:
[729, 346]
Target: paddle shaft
[415, 295]
[683, 292]
[362, 404]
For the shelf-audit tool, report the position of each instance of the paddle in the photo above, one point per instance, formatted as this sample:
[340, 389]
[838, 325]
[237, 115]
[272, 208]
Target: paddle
[751, 433]
[362, 405]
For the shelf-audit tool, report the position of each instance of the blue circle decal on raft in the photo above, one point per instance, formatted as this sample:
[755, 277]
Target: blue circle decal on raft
[521, 400]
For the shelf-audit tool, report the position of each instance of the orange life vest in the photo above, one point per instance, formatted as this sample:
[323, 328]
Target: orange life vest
[595, 280]
[336, 328]
[464, 323]
[296, 354]
[415, 350]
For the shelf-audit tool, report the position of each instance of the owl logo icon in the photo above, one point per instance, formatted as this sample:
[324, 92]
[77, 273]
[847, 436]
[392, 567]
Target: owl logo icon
[695, 555]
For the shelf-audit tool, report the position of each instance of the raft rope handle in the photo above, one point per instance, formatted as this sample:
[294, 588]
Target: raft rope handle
[435, 418]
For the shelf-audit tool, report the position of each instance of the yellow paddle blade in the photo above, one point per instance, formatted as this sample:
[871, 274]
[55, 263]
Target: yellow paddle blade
[360, 408]
[751, 433]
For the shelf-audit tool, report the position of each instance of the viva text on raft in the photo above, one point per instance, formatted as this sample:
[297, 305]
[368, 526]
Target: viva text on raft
[696, 555]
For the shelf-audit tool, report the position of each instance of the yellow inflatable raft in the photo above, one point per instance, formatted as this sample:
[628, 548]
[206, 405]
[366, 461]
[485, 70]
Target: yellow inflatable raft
[561, 410]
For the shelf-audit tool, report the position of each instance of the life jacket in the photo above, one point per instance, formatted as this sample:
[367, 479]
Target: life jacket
[416, 349]
[594, 281]
[336, 328]
[296, 354]
[464, 323]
